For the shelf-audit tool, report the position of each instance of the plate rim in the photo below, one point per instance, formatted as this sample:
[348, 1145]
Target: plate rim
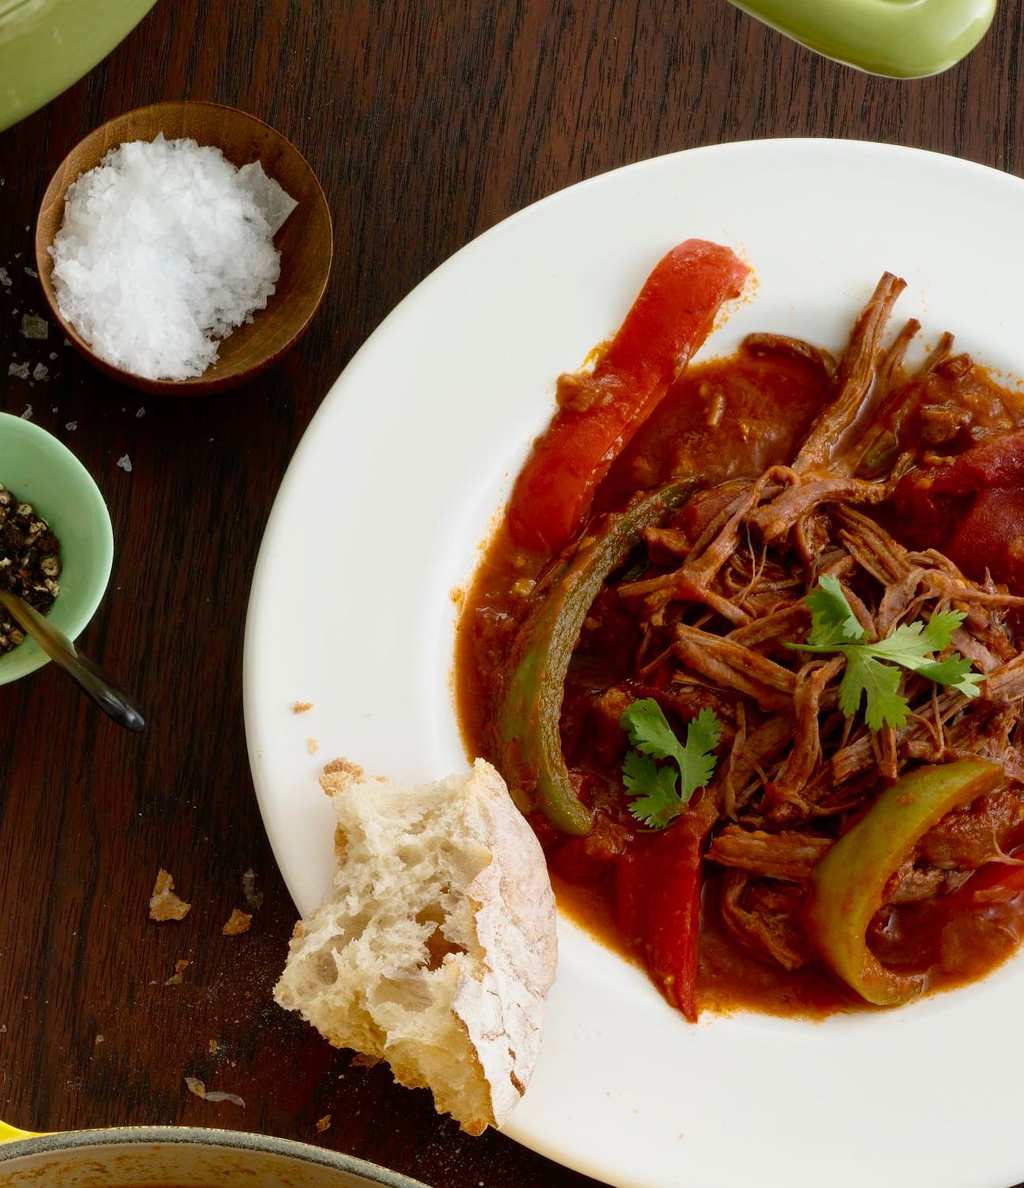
[563, 1153]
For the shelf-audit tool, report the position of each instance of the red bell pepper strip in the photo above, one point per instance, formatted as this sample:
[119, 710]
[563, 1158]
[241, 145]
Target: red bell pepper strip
[599, 412]
[994, 876]
[848, 884]
[657, 894]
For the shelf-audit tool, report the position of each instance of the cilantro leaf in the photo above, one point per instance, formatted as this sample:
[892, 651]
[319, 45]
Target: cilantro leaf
[703, 734]
[879, 683]
[940, 627]
[832, 620]
[657, 797]
[656, 800]
[912, 644]
[870, 678]
[955, 672]
[648, 729]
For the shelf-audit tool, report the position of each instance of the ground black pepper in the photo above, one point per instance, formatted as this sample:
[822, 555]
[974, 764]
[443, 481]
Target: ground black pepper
[29, 562]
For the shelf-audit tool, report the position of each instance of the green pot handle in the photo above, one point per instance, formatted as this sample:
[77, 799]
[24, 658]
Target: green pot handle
[896, 38]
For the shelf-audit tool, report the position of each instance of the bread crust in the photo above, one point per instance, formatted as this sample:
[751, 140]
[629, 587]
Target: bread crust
[481, 975]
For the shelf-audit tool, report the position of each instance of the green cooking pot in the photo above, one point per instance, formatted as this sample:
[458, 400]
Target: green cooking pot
[46, 45]
[898, 38]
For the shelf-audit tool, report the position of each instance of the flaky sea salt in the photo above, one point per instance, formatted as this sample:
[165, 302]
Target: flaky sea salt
[18, 370]
[125, 463]
[273, 202]
[40, 373]
[166, 248]
[33, 326]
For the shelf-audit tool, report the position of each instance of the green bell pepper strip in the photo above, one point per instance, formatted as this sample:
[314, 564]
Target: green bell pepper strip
[848, 884]
[530, 744]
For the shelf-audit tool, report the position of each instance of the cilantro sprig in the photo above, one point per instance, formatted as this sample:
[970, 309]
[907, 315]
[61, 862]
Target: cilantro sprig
[660, 792]
[872, 675]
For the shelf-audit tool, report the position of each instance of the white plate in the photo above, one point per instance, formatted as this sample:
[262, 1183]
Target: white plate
[380, 517]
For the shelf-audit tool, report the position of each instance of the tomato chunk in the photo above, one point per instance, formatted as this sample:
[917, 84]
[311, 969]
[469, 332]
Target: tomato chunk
[991, 536]
[600, 411]
[972, 508]
[995, 463]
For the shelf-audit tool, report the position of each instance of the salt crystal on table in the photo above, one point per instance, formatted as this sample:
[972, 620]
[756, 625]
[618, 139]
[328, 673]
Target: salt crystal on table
[28, 414]
[18, 370]
[125, 463]
[40, 373]
[141, 412]
[71, 426]
[31, 272]
[5, 278]
[34, 327]
[165, 249]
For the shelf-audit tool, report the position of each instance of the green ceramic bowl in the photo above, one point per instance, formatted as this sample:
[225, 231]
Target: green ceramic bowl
[46, 45]
[895, 38]
[37, 468]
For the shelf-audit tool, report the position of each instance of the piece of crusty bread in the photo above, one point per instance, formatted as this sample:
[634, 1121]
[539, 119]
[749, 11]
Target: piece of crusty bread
[437, 946]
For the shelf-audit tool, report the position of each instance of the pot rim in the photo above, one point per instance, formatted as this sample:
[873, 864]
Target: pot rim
[204, 1137]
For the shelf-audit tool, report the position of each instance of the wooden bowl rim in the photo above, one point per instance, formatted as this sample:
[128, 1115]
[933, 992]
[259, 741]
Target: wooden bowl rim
[197, 385]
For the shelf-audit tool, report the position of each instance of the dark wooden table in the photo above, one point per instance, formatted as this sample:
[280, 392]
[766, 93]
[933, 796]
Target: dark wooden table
[427, 121]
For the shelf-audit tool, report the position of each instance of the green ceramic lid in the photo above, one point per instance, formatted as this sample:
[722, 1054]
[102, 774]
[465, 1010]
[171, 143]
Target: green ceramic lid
[898, 38]
[46, 45]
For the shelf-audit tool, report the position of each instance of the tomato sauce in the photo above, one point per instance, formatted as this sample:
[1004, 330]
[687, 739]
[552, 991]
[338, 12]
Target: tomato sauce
[724, 419]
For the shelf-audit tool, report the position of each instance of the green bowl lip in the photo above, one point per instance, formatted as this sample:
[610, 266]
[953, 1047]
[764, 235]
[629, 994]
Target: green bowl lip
[10, 669]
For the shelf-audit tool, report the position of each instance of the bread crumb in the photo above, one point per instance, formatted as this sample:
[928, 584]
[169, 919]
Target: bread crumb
[217, 1047]
[163, 903]
[253, 897]
[198, 1088]
[301, 707]
[361, 1060]
[238, 922]
[344, 768]
[99, 1039]
[178, 976]
[323, 1124]
[312, 746]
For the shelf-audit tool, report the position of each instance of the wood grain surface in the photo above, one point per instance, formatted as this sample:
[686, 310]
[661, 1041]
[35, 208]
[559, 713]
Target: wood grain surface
[427, 121]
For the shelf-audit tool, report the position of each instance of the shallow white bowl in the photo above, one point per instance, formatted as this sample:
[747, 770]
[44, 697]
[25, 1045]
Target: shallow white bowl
[381, 514]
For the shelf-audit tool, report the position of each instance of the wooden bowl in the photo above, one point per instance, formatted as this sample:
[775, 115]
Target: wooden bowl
[305, 241]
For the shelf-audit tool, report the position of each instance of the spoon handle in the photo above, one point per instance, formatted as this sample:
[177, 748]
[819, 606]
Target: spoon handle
[90, 677]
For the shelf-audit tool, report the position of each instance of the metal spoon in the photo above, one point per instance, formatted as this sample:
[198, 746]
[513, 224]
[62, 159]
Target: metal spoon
[89, 676]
